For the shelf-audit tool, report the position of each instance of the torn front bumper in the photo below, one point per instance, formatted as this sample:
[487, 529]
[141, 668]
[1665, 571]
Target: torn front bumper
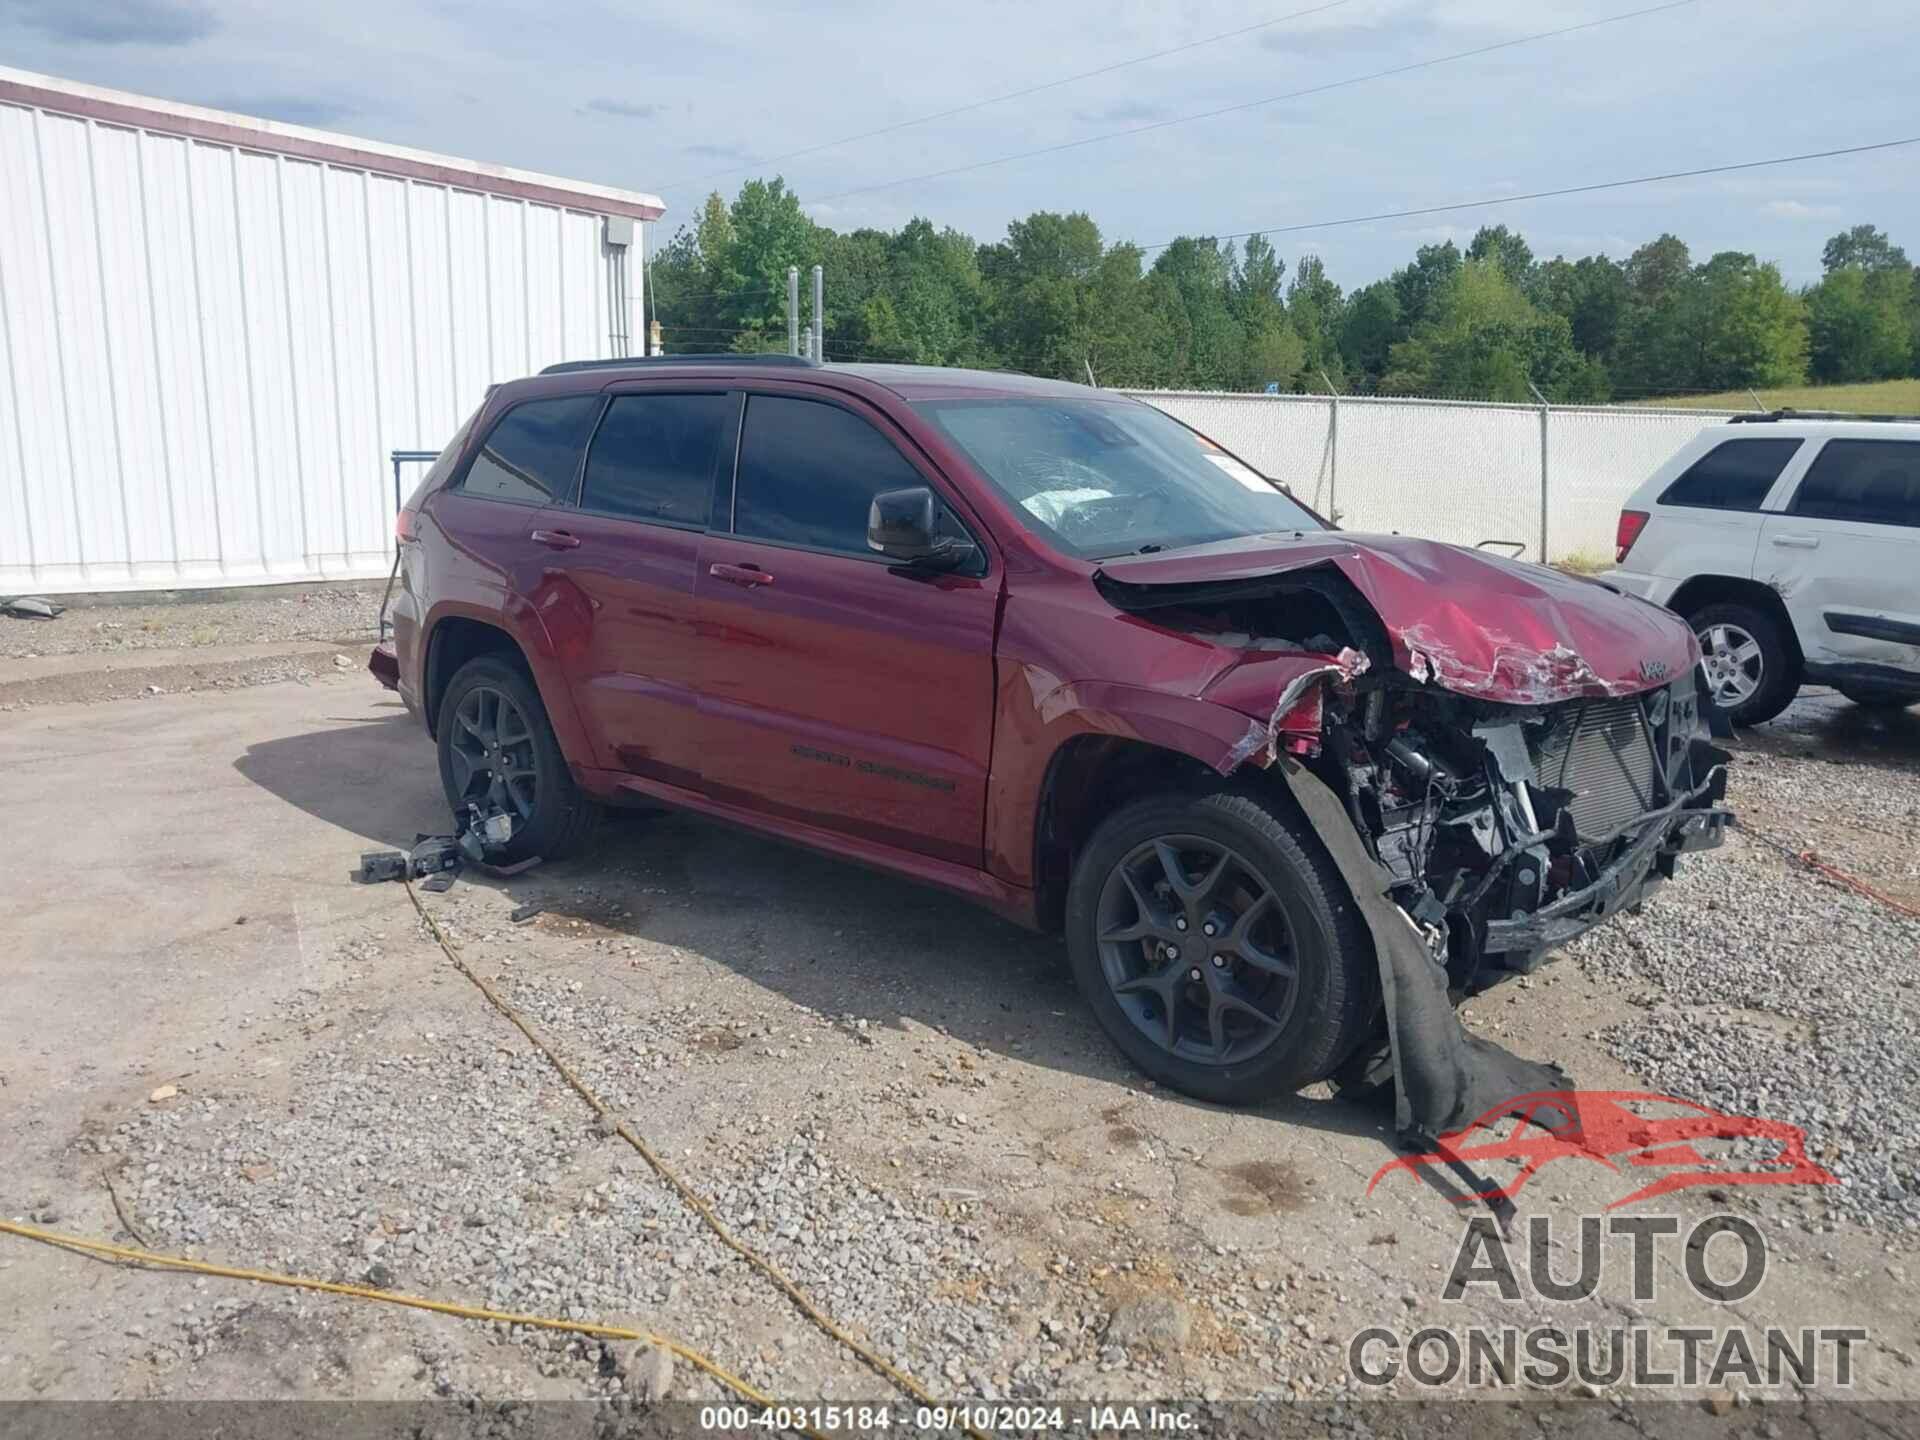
[1694, 821]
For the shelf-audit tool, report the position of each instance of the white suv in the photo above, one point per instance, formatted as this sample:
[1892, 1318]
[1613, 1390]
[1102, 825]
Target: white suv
[1792, 546]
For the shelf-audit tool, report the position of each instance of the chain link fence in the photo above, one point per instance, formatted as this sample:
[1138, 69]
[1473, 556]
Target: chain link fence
[1549, 480]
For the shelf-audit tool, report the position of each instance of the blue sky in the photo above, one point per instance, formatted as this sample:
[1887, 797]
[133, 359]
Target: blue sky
[679, 99]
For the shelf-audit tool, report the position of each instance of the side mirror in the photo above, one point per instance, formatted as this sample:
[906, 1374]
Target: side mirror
[901, 524]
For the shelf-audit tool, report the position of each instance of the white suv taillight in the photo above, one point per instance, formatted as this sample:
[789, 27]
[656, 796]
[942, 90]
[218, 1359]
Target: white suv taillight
[1632, 522]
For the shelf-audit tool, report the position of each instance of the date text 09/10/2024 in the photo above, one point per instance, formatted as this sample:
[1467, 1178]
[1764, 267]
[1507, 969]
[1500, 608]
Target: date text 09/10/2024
[938, 1419]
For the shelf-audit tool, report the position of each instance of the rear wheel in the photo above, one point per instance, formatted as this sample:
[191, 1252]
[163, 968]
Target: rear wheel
[497, 750]
[1750, 671]
[1219, 947]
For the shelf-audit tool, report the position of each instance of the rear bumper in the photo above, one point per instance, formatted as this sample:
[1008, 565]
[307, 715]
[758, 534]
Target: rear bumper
[384, 665]
[1657, 588]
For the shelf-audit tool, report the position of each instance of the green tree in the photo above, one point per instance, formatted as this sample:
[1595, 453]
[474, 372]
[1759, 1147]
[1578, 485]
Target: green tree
[1861, 324]
[1749, 328]
[1507, 249]
[1862, 248]
[1484, 340]
[1200, 272]
[1591, 292]
[1433, 268]
[1368, 330]
[1657, 352]
[1315, 306]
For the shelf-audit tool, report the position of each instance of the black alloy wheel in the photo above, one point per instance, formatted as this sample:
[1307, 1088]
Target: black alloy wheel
[494, 760]
[1197, 950]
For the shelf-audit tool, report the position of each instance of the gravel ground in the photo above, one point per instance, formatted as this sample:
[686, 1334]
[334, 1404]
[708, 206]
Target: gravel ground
[898, 1099]
[335, 613]
[1768, 990]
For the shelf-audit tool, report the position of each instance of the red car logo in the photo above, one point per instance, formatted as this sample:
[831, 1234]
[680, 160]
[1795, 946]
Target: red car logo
[1626, 1131]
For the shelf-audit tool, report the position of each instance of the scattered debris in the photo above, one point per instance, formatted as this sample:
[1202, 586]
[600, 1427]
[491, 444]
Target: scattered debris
[164, 1093]
[523, 913]
[30, 607]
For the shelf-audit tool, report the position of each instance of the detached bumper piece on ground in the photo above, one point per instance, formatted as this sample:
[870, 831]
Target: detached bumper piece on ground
[437, 859]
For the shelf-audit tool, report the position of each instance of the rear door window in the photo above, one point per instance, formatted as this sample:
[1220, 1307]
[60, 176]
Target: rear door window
[653, 458]
[1734, 475]
[808, 473]
[1875, 481]
[533, 451]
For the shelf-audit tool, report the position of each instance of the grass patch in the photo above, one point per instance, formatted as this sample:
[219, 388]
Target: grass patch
[1584, 562]
[1883, 397]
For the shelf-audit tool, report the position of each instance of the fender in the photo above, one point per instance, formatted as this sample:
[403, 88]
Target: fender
[527, 628]
[1040, 714]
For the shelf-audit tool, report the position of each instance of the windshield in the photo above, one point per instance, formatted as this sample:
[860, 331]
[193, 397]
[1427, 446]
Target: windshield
[1100, 478]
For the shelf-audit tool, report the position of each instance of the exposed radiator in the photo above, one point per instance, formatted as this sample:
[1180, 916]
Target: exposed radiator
[1601, 751]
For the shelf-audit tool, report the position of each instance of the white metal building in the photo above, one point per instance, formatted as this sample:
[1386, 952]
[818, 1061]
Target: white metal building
[214, 330]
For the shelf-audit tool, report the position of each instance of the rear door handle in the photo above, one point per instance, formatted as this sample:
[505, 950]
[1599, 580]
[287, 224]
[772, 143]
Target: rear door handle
[747, 575]
[556, 539]
[1797, 542]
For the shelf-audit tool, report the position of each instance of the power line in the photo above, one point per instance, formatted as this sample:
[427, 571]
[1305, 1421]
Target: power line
[1009, 95]
[1255, 104]
[1420, 210]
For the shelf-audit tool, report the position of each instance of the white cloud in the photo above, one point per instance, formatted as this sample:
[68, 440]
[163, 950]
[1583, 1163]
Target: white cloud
[1799, 210]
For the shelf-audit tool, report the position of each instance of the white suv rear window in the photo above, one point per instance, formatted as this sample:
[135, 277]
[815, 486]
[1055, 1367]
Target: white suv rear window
[1734, 475]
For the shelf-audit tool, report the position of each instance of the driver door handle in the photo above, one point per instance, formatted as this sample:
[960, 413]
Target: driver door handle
[746, 575]
[1797, 542]
[556, 539]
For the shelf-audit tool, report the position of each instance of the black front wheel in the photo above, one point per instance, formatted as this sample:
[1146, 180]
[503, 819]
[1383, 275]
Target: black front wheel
[1218, 945]
[498, 751]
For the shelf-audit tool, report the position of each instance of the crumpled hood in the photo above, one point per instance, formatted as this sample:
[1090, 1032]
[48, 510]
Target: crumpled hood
[1467, 620]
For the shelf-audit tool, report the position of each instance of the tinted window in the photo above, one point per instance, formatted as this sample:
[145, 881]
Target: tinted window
[1735, 475]
[1873, 480]
[808, 473]
[653, 457]
[534, 451]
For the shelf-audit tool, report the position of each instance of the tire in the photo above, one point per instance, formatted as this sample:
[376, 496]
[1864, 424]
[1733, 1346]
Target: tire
[553, 818]
[1747, 698]
[1879, 699]
[1299, 1038]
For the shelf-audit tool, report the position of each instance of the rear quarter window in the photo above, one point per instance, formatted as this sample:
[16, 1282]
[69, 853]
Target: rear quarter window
[1734, 475]
[1874, 481]
[533, 451]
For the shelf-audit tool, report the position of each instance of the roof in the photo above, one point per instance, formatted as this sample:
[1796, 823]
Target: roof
[910, 382]
[248, 132]
[934, 382]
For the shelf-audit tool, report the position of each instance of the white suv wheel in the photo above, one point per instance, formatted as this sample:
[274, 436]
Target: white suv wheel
[1735, 666]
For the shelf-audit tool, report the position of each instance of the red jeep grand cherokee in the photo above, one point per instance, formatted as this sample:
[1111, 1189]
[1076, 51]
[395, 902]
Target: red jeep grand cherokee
[1048, 648]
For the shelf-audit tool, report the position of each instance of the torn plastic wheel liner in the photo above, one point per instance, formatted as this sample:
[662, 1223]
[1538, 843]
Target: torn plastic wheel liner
[1444, 1078]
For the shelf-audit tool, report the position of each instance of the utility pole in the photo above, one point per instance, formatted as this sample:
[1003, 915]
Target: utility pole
[819, 315]
[1333, 445]
[793, 309]
[1545, 413]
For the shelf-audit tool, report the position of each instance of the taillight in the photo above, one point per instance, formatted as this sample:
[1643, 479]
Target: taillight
[403, 527]
[1632, 522]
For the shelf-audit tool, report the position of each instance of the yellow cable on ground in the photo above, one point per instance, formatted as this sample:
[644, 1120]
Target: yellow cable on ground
[695, 1201]
[393, 1297]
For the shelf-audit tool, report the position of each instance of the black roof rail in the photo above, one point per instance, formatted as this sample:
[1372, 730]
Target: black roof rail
[1763, 417]
[631, 362]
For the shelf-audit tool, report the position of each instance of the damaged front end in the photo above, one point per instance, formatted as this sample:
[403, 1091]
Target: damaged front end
[1503, 826]
[1504, 830]
[1482, 815]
